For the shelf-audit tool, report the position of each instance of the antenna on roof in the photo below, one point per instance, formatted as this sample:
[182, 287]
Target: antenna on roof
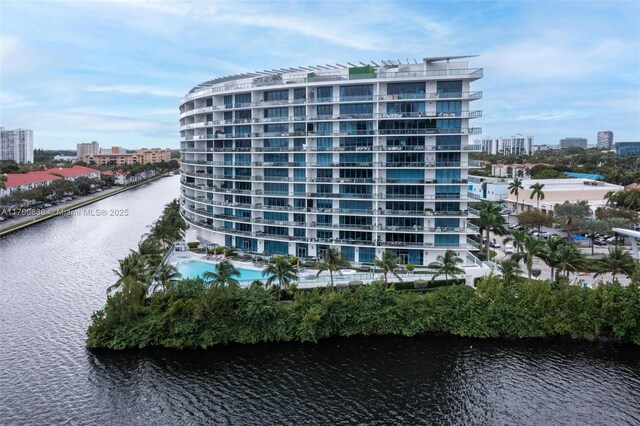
[340, 65]
[349, 63]
[375, 64]
[363, 64]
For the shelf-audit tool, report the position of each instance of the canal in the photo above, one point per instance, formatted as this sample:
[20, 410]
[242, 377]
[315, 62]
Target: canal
[54, 275]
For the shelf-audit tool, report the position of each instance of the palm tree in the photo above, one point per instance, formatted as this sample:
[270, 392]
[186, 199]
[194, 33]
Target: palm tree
[537, 192]
[446, 265]
[593, 228]
[617, 261]
[531, 248]
[514, 188]
[3, 180]
[332, 261]
[549, 256]
[511, 271]
[280, 270]
[388, 264]
[164, 275]
[612, 198]
[570, 259]
[517, 238]
[490, 218]
[571, 215]
[133, 266]
[632, 199]
[222, 275]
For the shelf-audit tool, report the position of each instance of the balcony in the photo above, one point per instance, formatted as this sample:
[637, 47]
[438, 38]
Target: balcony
[342, 75]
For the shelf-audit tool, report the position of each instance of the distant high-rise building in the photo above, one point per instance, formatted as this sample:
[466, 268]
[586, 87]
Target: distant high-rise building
[571, 142]
[605, 139]
[91, 148]
[624, 149]
[16, 145]
[514, 145]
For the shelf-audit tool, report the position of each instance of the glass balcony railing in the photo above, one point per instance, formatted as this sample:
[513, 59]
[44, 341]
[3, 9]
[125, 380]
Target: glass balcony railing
[374, 148]
[232, 86]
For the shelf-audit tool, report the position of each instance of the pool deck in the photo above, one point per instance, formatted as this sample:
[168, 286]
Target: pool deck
[308, 278]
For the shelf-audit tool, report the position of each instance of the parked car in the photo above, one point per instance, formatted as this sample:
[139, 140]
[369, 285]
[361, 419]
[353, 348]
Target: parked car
[505, 212]
[508, 249]
[517, 227]
[494, 244]
[599, 242]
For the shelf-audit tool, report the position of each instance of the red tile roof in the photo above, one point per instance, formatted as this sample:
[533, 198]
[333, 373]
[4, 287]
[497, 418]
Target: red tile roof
[18, 179]
[632, 187]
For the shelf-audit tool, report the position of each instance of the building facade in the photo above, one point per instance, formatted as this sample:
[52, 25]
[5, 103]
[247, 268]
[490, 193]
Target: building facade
[605, 139]
[518, 145]
[482, 188]
[121, 157]
[90, 148]
[624, 149]
[573, 142]
[557, 191]
[16, 145]
[30, 180]
[363, 159]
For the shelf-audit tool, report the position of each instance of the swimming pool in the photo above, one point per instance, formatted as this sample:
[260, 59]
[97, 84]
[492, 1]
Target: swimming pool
[195, 269]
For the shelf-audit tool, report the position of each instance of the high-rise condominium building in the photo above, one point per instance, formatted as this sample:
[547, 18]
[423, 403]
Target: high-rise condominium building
[514, 145]
[16, 145]
[605, 139]
[364, 159]
[571, 142]
[90, 148]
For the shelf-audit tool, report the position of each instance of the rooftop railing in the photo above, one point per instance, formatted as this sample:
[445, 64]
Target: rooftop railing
[335, 76]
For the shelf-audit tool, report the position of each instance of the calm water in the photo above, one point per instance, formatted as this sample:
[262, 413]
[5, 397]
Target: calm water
[194, 269]
[54, 275]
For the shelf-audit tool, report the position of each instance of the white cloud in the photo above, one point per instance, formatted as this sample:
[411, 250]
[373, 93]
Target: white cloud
[135, 90]
[554, 55]
[10, 100]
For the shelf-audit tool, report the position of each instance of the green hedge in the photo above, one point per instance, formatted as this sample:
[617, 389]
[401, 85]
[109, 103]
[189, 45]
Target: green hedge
[190, 315]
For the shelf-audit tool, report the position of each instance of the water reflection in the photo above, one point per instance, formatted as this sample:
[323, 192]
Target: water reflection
[54, 275]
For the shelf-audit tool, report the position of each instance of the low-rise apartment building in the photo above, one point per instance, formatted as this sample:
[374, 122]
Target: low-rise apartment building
[30, 180]
[142, 156]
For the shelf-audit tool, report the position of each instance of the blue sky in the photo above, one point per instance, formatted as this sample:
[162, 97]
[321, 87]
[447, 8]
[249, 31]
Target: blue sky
[114, 71]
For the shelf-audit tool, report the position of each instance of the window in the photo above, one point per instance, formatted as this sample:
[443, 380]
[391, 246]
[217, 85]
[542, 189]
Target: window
[367, 254]
[447, 240]
[325, 128]
[276, 143]
[348, 253]
[448, 107]
[405, 107]
[276, 128]
[406, 90]
[325, 110]
[325, 144]
[451, 89]
[243, 98]
[299, 111]
[276, 112]
[276, 95]
[325, 93]
[299, 93]
[356, 109]
[357, 92]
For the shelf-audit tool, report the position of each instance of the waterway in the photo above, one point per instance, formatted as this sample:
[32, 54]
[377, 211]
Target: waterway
[54, 275]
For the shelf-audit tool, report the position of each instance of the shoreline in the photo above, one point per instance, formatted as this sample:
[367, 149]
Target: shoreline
[64, 210]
